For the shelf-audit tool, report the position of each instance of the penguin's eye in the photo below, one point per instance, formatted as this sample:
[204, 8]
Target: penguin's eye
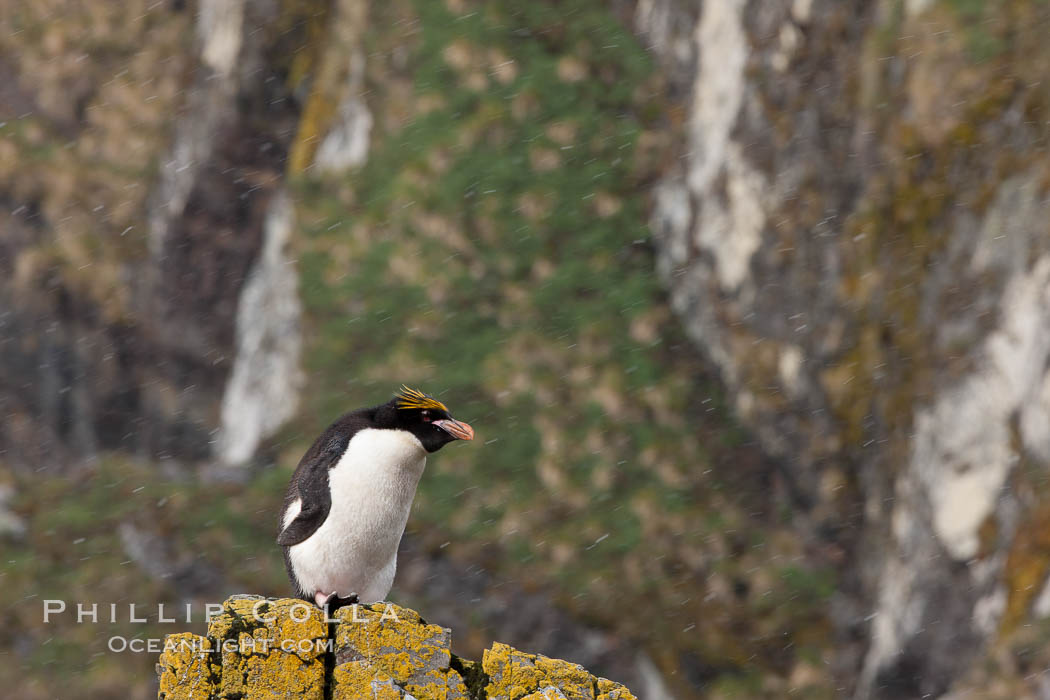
[426, 416]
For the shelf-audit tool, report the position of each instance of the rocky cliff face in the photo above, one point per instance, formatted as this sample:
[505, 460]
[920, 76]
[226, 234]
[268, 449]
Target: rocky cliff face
[848, 207]
[263, 648]
[858, 237]
[144, 229]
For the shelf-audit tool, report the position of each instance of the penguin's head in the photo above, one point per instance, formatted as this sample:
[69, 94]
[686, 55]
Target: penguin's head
[427, 419]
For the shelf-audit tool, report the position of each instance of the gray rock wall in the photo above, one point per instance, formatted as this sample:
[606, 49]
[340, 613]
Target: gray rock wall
[856, 234]
[129, 248]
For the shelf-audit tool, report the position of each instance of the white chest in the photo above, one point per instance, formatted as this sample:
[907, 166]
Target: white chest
[372, 487]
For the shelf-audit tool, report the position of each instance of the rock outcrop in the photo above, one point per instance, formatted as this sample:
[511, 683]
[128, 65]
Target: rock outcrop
[268, 648]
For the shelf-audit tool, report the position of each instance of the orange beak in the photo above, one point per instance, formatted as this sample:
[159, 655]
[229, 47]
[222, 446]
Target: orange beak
[455, 428]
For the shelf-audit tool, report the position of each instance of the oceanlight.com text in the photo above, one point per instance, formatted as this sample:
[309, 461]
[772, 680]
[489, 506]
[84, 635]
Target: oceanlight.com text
[202, 645]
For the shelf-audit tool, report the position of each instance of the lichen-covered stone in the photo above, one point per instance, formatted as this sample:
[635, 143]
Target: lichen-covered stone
[259, 648]
[456, 686]
[513, 674]
[270, 648]
[351, 681]
[548, 693]
[384, 640]
[611, 690]
[185, 668]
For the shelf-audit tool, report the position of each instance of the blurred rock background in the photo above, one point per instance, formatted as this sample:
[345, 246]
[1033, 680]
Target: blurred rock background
[749, 303]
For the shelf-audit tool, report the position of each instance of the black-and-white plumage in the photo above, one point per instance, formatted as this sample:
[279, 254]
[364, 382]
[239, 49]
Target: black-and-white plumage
[349, 499]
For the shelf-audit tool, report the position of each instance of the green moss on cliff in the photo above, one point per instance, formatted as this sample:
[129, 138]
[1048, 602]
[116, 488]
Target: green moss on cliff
[494, 250]
[933, 135]
[80, 139]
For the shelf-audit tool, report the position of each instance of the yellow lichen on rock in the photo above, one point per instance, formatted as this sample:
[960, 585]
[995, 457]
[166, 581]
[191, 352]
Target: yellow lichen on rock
[260, 648]
[351, 681]
[611, 690]
[374, 642]
[270, 648]
[548, 693]
[332, 80]
[513, 674]
[185, 668]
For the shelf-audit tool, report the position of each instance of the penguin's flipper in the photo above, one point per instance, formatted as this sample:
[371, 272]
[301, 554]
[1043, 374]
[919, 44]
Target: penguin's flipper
[310, 517]
[315, 499]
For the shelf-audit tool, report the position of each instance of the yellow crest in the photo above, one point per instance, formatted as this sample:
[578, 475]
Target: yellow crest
[413, 398]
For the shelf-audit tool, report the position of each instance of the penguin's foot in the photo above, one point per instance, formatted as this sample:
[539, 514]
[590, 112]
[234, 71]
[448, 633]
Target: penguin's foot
[338, 602]
[332, 601]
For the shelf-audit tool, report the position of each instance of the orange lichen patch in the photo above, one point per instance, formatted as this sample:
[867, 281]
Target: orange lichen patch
[270, 648]
[611, 690]
[331, 63]
[287, 617]
[185, 668]
[275, 674]
[548, 693]
[384, 641]
[513, 674]
[1027, 568]
[456, 686]
[352, 681]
